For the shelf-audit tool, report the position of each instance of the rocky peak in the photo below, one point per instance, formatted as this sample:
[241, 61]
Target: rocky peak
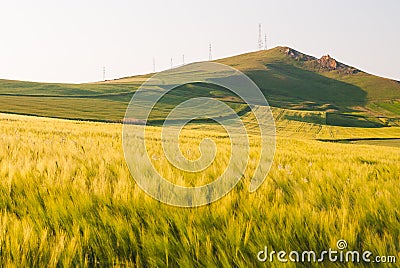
[297, 55]
[328, 63]
[325, 63]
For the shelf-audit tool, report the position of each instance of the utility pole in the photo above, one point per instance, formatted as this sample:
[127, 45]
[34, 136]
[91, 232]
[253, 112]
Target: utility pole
[171, 63]
[265, 42]
[209, 52]
[104, 73]
[154, 65]
[183, 59]
[260, 42]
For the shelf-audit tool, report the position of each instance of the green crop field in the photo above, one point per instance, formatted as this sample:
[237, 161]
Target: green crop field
[67, 199]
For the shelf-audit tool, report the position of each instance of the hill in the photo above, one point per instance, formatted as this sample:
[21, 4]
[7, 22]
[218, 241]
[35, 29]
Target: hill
[288, 78]
[291, 79]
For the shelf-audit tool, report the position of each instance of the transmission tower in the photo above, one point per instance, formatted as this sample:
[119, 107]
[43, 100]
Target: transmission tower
[265, 42]
[260, 42]
[209, 53]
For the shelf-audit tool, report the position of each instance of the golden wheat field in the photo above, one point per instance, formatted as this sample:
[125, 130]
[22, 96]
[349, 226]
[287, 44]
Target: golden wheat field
[68, 199]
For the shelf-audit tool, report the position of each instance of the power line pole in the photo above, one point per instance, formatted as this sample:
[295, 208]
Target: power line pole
[183, 59]
[265, 42]
[154, 65]
[171, 63]
[104, 73]
[260, 42]
[209, 52]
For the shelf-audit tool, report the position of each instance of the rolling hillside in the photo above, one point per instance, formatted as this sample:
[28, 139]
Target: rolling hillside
[288, 78]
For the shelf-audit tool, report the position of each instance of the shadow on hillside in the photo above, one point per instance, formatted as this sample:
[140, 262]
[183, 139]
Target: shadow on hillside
[288, 86]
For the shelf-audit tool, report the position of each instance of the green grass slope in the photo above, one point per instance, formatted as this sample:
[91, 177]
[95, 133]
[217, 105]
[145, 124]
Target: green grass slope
[291, 79]
[288, 78]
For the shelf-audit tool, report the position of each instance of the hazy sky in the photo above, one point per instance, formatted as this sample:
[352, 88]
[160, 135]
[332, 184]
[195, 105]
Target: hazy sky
[71, 41]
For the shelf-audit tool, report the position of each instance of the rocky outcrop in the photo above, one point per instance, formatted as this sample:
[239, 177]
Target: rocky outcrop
[298, 55]
[325, 63]
[328, 63]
